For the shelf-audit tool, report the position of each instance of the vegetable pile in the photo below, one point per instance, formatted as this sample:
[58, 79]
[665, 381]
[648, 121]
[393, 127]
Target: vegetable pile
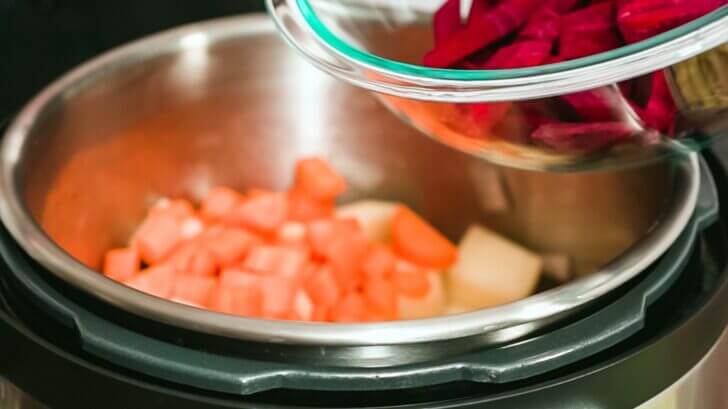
[293, 255]
[504, 34]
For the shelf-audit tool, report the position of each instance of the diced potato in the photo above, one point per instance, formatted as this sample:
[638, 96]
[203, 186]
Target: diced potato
[430, 305]
[374, 216]
[491, 270]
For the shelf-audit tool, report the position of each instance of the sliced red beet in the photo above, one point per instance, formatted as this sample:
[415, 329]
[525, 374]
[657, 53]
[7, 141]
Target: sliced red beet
[446, 20]
[488, 114]
[601, 104]
[524, 53]
[660, 111]
[543, 25]
[484, 30]
[562, 6]
[588, 31]
[583, 136]
[641, 19]
[478, 8]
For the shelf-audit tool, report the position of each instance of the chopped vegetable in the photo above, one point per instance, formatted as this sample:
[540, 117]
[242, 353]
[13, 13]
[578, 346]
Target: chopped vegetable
[524, 53]
[587, 136]
[509, 34]
[588, 31]
[280, 261]
[318, 180]
[642, 19]
[491, 270]
[419, 242]
[194, 289]
[431, 304]
[263, 212]
[447, 20]
[157, 281]
[378, 263]
[410, 279]
[256, 255]
[157, 237]
[351, 308]
[374, 217]
[121, 264]
[483, 30]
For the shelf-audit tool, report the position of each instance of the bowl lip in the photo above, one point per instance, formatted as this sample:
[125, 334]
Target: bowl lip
[379, 74]
[34, 241]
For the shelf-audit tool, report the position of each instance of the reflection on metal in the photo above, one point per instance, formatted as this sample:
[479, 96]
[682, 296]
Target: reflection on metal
[704, 387]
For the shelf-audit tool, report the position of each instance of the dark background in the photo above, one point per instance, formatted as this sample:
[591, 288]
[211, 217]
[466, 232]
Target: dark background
[42, 39]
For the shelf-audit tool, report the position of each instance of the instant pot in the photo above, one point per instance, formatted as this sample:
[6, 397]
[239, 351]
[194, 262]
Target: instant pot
[227, 101]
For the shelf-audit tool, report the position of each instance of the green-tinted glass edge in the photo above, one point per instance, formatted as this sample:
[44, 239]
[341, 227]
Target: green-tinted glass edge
[483, 75]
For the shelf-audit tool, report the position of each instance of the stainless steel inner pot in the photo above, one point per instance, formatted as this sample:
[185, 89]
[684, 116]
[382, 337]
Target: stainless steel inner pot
[227, 102]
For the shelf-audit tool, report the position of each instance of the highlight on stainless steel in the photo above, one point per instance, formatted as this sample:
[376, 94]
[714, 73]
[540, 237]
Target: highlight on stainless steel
[226, 102]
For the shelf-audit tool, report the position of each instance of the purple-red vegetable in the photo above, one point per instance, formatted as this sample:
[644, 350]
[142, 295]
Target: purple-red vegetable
[588, 31]
[505, 34]
[526, 53]
[642, 19]
[589, 137]
[478, 8]
[447, 20]
[543, 25]
[484, 30]
[602, 104]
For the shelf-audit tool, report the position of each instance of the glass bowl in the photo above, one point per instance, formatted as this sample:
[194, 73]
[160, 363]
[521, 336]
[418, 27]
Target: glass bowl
[582, 114]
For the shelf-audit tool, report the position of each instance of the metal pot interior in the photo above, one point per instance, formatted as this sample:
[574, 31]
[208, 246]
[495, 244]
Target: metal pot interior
[230, 104]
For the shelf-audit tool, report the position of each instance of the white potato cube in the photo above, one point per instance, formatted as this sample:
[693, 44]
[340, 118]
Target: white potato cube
[374, 216]
[431, 305]
[491, 270]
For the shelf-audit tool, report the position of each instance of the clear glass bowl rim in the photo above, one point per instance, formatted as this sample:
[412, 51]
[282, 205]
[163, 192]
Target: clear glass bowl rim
[412, 71]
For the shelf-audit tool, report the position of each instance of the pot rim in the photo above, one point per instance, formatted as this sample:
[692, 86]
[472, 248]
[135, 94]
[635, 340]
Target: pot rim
[541, 306]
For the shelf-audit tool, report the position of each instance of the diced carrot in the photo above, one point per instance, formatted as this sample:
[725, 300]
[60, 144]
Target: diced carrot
[262, 213]
[278, 294]
[302, 306]
[177, 208]
[322, 233]
[379, 262]
[381, 296]
[417, 241]
[233, 277]
[230, 245]
[410, 280]
[157, 237]
[281, 261]
[320, 313]
[121, 264]
[345, 255]
[352, 308]
[303, 208]
[157, 281]
[194, 289]
[322, 287]
[291, 233]
[194, 259]
[317, 179]
[239, 300]
[220, 203]
[190, 227]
